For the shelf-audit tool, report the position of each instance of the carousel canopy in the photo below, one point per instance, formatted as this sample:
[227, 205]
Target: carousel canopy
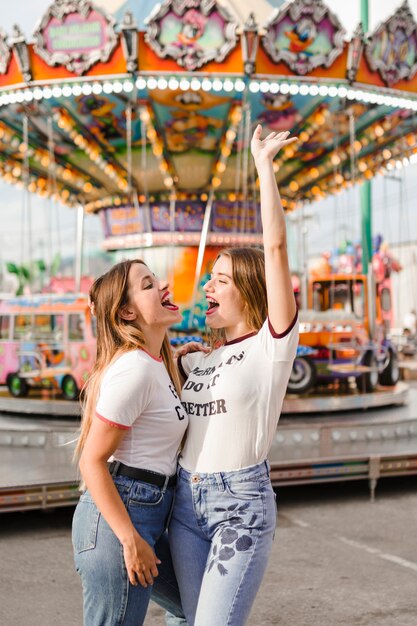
[148, 120]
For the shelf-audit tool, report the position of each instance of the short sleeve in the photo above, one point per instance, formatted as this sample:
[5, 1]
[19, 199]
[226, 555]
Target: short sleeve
[125, 391]
[280, 347]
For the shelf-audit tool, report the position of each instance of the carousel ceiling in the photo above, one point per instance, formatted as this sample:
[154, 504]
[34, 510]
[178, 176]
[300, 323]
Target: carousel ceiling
[107, 116]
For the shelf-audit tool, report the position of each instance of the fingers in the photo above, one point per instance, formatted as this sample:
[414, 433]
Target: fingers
[258, 131]
[144, 574]
[149, 575]
[192, 346]
[154, 570]
[281, 136]
[278, 136]
[288, 141]
[135, 577]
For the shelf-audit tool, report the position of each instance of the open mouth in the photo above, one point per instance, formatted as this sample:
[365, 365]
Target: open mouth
[212, 306]
[167, 304]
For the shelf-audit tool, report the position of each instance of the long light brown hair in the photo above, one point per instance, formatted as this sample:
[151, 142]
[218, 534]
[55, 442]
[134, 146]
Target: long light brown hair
[248, 273]
[115, 336]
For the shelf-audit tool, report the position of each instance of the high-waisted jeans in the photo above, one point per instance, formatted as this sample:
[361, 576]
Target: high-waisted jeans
[221, 535]
[109, 598]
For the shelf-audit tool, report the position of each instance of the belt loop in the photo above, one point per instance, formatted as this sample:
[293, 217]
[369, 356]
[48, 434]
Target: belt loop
[268, 467]
[164, 488]
[220, 481]
[114, 468]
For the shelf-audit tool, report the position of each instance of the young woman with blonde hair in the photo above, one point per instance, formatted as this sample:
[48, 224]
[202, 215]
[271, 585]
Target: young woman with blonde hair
[132, 417]
[224, 515]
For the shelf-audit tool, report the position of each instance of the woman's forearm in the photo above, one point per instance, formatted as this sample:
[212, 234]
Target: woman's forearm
[272, 213]
[106, 497]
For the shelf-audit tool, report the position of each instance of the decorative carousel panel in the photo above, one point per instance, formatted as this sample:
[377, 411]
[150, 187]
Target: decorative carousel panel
[304, 34]
[192, 32]
[123, 220]
[392, 49]
[186, 216]
[191, 124]
[76, 34]
[5, 53]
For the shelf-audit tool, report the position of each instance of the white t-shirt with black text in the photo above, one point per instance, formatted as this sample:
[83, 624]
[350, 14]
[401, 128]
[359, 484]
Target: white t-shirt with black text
[137, 394]
[233, 397]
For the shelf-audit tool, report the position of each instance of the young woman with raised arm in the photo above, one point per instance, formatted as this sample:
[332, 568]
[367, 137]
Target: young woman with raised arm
[224, 516]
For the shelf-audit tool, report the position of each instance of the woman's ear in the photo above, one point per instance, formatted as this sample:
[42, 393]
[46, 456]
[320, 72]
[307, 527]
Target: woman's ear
[125, 313]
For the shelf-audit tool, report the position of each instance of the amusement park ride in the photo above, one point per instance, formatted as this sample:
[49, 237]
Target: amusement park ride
[150, 129]
[345, 332]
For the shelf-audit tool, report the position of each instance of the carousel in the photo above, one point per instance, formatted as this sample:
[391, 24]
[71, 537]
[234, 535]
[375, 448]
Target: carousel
[145, 120]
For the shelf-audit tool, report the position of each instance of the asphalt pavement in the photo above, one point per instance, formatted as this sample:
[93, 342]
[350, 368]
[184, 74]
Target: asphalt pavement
[338, 560]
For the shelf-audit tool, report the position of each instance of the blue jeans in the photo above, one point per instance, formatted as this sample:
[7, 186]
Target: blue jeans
[109, 598]
[221, 535]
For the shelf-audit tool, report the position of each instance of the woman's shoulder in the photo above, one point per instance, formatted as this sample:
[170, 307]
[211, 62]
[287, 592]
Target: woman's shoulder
[134, 360]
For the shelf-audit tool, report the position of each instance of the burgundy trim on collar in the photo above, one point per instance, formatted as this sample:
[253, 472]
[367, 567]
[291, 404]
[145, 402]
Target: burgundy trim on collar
[289, 329]
[229, 343]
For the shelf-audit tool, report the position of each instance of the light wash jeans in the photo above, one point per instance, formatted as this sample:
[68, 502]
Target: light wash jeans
[109, 598]
[221, 535]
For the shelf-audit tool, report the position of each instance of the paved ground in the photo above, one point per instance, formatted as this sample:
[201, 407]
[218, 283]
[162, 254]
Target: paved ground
[338, 560]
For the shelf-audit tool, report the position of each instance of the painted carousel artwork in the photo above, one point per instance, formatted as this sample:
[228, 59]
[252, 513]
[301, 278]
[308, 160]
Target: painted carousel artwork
[192, 33]
[305, 35]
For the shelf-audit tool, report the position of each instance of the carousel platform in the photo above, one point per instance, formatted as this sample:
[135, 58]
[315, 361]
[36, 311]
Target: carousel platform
[36, 466]
[330, 401]
[369, 443]
[45, 402]
[37, 470]
[38, 403]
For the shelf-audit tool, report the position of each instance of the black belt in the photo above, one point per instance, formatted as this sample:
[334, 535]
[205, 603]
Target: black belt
[116, 468]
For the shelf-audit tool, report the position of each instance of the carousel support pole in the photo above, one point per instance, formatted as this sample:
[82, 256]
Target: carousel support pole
[201, 251]
[27, 195]
[302, 243]
[79, 247]
[366, 214]
[366, 188]
[172, 210]
[246, 110]
[146, 208]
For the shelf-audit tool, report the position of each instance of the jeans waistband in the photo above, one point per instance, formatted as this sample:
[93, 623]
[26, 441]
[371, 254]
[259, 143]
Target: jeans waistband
[253, 472]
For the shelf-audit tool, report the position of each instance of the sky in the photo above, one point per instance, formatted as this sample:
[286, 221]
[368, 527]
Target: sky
[331, 220]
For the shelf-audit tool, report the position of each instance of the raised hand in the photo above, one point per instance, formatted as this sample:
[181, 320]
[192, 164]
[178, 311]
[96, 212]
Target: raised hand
[266, 149]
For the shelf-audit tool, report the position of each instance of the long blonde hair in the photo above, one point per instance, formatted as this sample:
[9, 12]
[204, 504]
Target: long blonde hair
[115, 336]
[248, 273]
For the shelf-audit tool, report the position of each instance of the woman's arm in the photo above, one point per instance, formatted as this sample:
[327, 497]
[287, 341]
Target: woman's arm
[281, 301]
[102, 440]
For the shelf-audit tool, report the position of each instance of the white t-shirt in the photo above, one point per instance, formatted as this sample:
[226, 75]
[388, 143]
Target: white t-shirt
[137, 394]
[233, 397]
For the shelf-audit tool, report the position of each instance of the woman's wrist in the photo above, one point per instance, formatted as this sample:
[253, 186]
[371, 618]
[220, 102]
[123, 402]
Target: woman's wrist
[263, 162]
[129, 537]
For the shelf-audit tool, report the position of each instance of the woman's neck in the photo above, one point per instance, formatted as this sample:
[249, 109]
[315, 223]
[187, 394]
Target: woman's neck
[153, 342]
[238, 330]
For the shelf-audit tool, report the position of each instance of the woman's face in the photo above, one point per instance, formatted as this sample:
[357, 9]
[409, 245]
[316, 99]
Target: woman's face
[226, 308]
[149, 299]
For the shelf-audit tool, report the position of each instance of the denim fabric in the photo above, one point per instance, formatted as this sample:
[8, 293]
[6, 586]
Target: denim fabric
[221, 535]
[109, 598]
